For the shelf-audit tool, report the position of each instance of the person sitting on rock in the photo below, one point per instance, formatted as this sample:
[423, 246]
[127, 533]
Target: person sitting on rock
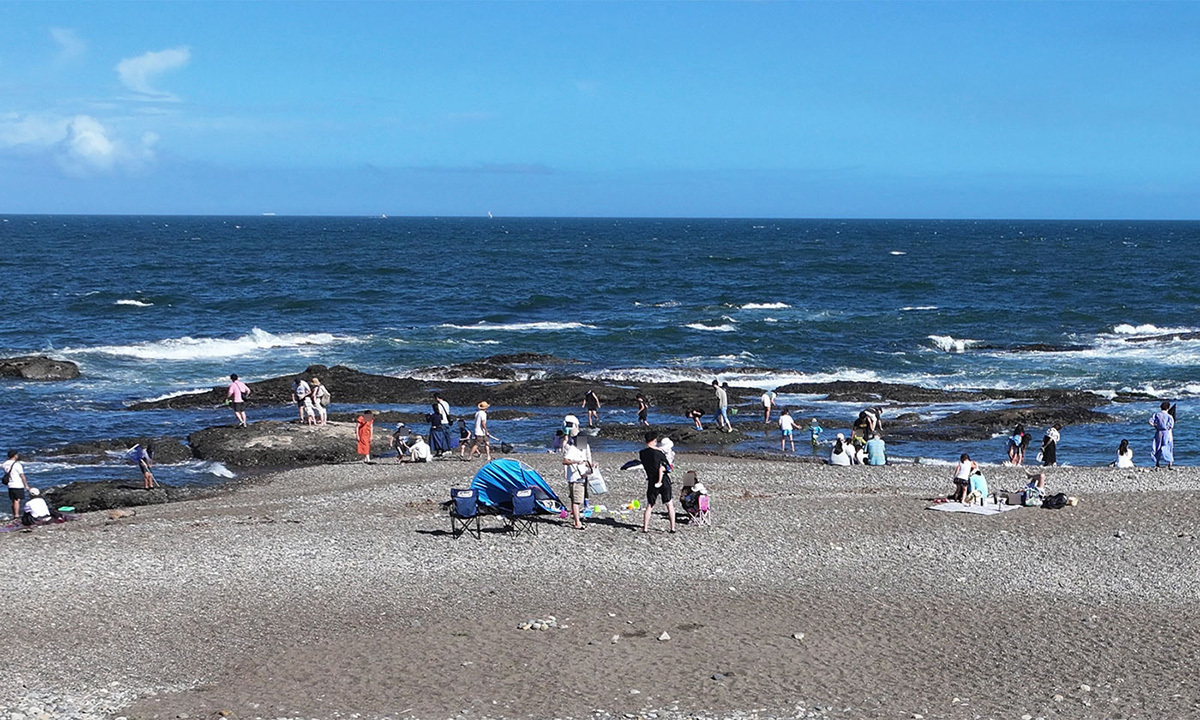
[418, 449]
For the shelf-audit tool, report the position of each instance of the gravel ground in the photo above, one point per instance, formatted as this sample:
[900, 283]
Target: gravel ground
[819, 592]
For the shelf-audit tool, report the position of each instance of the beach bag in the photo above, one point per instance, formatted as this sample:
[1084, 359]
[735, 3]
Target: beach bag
[1055, 502]
[1014, 498]
[595, 483]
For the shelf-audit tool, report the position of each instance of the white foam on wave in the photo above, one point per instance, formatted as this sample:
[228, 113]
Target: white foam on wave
[760, 379]
[181, 393]
[521, 327]
[1147, 329]
[134, 303]
[765, 306]
[726, 327]
[897, 252]
[916, 308]
[950, 344]
[189, 348]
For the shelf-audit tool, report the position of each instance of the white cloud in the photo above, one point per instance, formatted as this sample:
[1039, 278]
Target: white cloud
[139, 73]
[70, 45]
[79, 145]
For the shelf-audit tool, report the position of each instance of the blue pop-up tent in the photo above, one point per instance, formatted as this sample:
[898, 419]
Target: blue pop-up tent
[496, 481]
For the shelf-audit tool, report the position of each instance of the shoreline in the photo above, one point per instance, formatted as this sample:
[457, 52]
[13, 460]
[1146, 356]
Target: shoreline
[329, 591]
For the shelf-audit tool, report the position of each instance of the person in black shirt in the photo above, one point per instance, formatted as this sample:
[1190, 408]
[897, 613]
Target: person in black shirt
[658, 480]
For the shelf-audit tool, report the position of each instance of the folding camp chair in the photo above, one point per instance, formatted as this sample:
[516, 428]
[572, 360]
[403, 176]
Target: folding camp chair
[524, 510]
[463, 511]
[700, 514]
[697, 510]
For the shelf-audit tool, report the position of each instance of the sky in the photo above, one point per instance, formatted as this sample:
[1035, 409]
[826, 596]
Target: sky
[632, 109]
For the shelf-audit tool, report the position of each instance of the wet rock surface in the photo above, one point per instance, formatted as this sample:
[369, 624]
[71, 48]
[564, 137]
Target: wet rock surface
[280, 444]
[92, 496]
[166, 450]
[37, 367]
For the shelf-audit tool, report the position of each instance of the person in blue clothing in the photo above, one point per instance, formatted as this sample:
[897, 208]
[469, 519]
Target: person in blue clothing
[814, 432]
[876, 451]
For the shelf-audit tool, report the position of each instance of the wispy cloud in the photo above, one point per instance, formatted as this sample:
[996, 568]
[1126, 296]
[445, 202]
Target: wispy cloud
[140, 73]
[493, 169]
[80, 145]
[70, 45]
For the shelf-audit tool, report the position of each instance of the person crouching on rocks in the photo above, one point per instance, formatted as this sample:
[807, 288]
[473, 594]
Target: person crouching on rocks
[364, 432]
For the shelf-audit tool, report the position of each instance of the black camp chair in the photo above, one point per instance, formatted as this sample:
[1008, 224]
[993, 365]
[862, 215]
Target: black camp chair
[464, 511]
[524, 511]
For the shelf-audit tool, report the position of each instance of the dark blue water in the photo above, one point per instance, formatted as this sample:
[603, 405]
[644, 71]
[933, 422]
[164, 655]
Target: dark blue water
[156, 305]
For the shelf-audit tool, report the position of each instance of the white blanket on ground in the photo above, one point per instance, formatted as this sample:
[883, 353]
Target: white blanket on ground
[988, 508]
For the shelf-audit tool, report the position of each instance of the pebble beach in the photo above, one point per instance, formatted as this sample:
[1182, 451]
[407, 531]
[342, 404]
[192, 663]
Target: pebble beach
[337, 592]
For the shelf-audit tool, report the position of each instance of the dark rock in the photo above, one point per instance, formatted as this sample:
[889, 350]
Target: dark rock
[351, 386]
[90, 496]
[516, 366]
[166, 450]
[681, 435]
[38, 368]
[278, 444]
[971, 425]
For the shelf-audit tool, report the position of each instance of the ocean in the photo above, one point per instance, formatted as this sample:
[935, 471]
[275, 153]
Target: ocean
[151, 306]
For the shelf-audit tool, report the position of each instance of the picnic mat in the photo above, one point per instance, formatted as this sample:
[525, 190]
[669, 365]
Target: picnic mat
[989, 508]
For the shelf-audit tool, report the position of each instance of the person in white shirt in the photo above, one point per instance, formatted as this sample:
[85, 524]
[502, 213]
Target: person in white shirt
[786, 426]
[36, 511]
[577, 463]
[840, 454]
[419, 450]
[768, 401]
[14, 479]
[1124, 455]
[302, 396]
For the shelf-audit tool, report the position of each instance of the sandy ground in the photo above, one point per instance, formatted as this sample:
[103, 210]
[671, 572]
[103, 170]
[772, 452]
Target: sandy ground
[337, 592]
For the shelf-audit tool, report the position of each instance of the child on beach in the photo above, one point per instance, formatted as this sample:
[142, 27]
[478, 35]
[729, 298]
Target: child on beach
[786, 428]
[643, 410]
[236, 394]
[814, 432]
[694, 415]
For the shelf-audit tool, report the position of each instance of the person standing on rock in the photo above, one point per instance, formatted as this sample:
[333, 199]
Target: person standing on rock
[722, 407]
[237, 393]
[658, 481]
[15, 481]
[591, 403]
[787, 427]
[643, 411]
[145, 461]
[302, 396]
[768, 402]
[1163, 423]
[320, 396]
[364, 432]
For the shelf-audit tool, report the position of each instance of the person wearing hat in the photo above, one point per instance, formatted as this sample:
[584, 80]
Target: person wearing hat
[481, 446]
[840, 455]
[36, 511]
[577, 461]
[320, 397]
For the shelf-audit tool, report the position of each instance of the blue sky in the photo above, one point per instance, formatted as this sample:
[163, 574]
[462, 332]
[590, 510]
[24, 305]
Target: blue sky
[957, 110]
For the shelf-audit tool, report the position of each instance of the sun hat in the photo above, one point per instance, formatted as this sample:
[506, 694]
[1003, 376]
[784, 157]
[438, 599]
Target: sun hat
[841, 436]
[34, 492]
[483, 405]
[699, 489]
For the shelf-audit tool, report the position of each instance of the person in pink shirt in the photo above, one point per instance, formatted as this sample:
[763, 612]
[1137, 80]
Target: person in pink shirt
[237, 398]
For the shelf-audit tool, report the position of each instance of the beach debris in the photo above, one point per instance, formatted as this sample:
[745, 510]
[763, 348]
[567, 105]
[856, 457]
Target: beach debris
[615, 639]
[664, 637]
[540, 624]
[798, 636]
[121, 513]
[1058, 698]
[718, 676]
[635, 692]
[1085, 687]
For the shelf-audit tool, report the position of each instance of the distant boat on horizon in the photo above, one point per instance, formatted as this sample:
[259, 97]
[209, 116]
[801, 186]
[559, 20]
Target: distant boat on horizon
[489, 214]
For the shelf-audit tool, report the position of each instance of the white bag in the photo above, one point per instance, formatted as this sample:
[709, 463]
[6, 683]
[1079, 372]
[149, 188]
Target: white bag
[596, 484]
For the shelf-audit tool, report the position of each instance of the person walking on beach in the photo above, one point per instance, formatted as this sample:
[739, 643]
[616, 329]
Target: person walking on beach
[15, 481]
[302, 396]
[320, 396]
[577, 462]
[364, 431]
[591, 403]
[787, 427]
[643, 411]
[1163, 423]
[768, 402]
[722, 407]
[236, 394]
[658, 481]
[1049, 453]
[482, 436]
